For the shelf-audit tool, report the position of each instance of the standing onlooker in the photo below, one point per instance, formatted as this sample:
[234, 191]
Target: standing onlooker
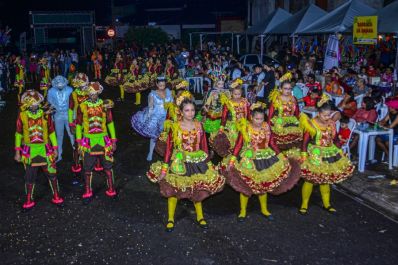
[75, 58]
[68, 62]
[258, 80]
[61, 60]
[269, 81]
[3, 74]
[33, 68]
[181, 61]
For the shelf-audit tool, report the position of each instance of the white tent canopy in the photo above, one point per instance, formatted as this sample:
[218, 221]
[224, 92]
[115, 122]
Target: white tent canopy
[299, 21]
[272, 20]
[341, 19]
[388, 18]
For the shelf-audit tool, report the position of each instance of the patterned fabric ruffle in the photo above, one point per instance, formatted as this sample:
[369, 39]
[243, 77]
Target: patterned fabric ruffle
[257, 174]
[148, 125]
[326, 165]
[196, 181]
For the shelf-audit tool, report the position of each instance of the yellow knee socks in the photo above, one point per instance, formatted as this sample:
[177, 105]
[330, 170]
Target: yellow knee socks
[263, 204]
[199, 213]
[121, 92]
[137, 98]
[243, 205]
[325, 194]
[171, 207]
[305, 196]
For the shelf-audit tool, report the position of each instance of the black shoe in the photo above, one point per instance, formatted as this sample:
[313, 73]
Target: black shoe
[203, 226]
[60, 205]
[330, 209]
[87, 201]
[169, 229]
[268, 217]
[303, 211]
[241, 219]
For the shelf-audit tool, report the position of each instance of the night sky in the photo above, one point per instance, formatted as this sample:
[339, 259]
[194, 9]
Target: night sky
[15, 12]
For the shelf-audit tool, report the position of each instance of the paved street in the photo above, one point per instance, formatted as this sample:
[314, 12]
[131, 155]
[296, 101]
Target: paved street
[131, 230]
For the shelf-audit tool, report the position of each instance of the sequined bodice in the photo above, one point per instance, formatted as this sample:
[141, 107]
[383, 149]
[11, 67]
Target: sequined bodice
[240, 109]
[95, 117]
[191, 139]
[259, 138]
[325, 134]
[35, 127]
[287, 108]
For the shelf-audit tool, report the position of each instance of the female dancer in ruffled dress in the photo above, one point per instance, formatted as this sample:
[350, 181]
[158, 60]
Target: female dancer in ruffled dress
[173, 115]
[212, 109]
[186, 172]
[283, 117]
[234, 109]
[261, 168]
[149, 122]
[323, 161]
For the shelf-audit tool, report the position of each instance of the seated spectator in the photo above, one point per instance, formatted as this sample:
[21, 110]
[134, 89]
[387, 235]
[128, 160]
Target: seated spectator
[344, 132]
[308, 69]
[372, 72]
[367, 112]
[297, 91]
[312, 84]
[335, 114]
[335, 73]
[311, 99]
[247, 77]
[363, 75]
[387, 76]
[350, 78]
[361, 88]
[334, 89]
[389, 122]
[348, 105]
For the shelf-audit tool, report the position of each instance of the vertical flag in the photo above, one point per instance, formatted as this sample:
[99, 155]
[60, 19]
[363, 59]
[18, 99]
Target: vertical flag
[332, 53]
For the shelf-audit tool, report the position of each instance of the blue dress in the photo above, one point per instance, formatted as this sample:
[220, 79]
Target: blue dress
[149, 121]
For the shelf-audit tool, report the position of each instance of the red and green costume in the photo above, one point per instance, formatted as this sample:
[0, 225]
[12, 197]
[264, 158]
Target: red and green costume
[45, 82]
[77, 97]
[232, 113]
[19, 78]
[95, 134]
[283, 118]
[324, 161]
[36, 140]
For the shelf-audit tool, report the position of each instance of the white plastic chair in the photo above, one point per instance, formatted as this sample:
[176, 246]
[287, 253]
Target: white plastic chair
[382, 111]
[394, 156]
[346, 147]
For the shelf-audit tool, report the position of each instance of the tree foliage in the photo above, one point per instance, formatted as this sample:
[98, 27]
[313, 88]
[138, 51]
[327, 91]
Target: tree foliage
[146, 35]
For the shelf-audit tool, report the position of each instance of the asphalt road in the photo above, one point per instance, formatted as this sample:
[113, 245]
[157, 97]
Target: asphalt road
[131, 230]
